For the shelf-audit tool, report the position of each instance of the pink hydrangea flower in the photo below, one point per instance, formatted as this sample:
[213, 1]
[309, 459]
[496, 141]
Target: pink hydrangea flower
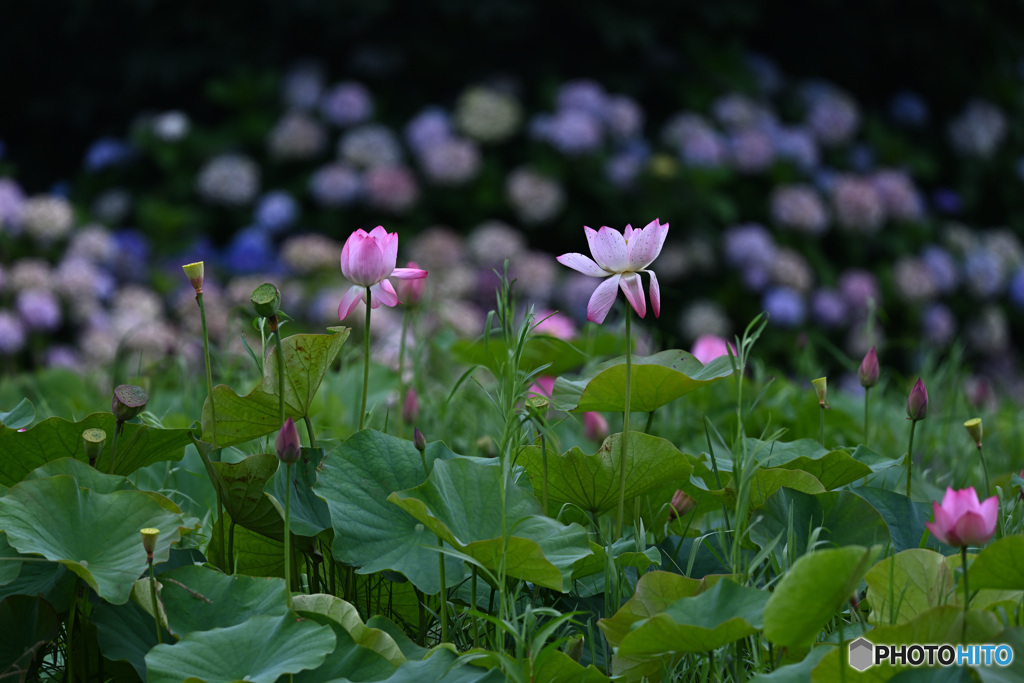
[620, 258]
[368, 260]
[961, 520]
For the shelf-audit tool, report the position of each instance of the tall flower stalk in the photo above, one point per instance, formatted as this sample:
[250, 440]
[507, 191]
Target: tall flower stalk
[368, 260]
[917, 409]
[619, 258]
[974, 429]
[868, 374]
[288, 451]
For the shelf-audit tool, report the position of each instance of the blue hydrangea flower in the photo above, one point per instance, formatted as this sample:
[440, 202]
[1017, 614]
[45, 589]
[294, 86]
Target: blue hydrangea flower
[276, 211]
[829, 308]
[132, 255]
[909, 109]
[430, 127]
[942, 268]
[1016, 291]
[105, 153]
[250, 251]
[983, 272]
[785, 307]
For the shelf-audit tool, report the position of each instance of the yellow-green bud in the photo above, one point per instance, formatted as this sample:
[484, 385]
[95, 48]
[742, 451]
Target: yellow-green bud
[94, 440]
[974, 429]
[194, 273]
[821, 387]
[149, 540]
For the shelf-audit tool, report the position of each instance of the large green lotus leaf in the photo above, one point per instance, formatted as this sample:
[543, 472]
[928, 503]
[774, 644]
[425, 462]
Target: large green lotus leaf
[558, 667]
[625, 554]
[592, 481]
[10, 564]
[243, 418]
[348, 662]
[655, 591]
[19, 416]
[254, 553]
[347, 616]
[812, 591]
[844, 518]
[540, 350]
[47, 579]
[309, 514]
[243, 494]
[1000, 565]
[355, 479]
[260, 649]
[1014, 637]
[657, 380]
[909, 583]
[458, 503]
[86, 476]
[53, 438]
[125, 633]
[198, 598]
[718, 616]
[27, 623]
[794, 673]
[904, 518]
[410, 650]
[832, 468]
[763, 484]
[96, 535]
[443, 666]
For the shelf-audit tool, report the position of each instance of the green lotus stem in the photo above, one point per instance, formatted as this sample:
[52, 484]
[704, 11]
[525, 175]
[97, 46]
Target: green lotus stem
[625, 427]
[984, 468]
[209, 371]
[443, 614]
[366, 360]
[70, 642]
[156, 606]
[280, 371]
[230, 557]
[821, 426]
[544, 473]
[967, 596]
[309, 431]
[401, 368]
[910, 454]
[288, 536]
[113, 448]
[867, 400]
[472, 599]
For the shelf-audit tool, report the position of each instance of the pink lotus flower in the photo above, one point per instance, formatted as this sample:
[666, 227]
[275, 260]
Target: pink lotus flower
[620, 258]
[554, 324]
[410, 291]
[595, 427]
[368, 260]
[961, 520]
[709, 347]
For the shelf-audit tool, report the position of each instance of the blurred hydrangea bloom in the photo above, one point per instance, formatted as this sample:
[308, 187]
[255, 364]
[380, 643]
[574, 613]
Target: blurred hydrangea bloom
[536, 274]
[751, 150]
[391, 188]
[303, 86]
[39, 309]
[131, 261]
[828, 308]
[30, 273]
[913, 280]
[1006, 245]
[791, 269]
[899, 195]
[938, 324]
[47, 218]
[305, 254]
[831, 114]
[12, 205]
[105, 153]
[799, 207]
[705, 149]
[735, 111]
[431, 126]
[626, 164]
[571, 131]
[909, 109]
[335, 185]
[749, 244]
[979, 130]
[493, 241]
[229, 180]
[1016, 291]
[370, 145]
[78, 278]
[785, 307]
[276, 210]
[796, 145]
[704, 317]
[170, 126]
[297, 137]
[859, 288]
[12, 333]
[437, 248]
[584, 95]
[624, 117]
[534, 197]
[858, 205]
[989, 332]
[451, 162]
[347, 104]
[487, 115]
[942, 268]
[984, 272]
[112, 206]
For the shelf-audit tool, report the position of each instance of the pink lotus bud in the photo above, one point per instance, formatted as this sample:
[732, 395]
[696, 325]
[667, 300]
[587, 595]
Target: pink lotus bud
[288, 445]
[681, 504]
[595, 427]
[709, 347]
[961, 520]
[410, 292]
[917, 402]
[419, 440]
[410, 406]
[868, 371]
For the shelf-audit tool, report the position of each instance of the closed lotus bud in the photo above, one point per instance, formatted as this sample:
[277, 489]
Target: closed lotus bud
[93, 440]
[129, 400]
[266, 299]
[149, 536]
[419, 440]
[573, 648]
[194, 273]
[595, 427]
[821, 388]
[974, 429]
[917, 402]
[868, 371]
[410, 406]
[681, 504]
[288, 445]
[411, 291]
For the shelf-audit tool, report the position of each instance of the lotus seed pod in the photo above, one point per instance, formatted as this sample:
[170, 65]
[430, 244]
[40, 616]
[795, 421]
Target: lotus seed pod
[149, 540]
[94, 440]
[974, 429]
[821, 388]
[129, 400]
[266, 299]
[194, 273]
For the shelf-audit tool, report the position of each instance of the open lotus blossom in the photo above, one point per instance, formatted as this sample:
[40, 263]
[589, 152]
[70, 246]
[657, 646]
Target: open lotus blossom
[961, 520]
[368, 260]
[620, 257]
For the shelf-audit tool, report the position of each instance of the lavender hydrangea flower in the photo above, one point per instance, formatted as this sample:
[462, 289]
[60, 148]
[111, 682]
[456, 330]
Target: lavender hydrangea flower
[909, 108]
[734, 111]
[431, 126]
[39, 309]
[1016, 290]
[47, 218]
[938, 324]
[979, 130]
[335, 185]
[112, 206]
[303, 86]
[624, 118]
[799, 207]
[229, 179]
[791, 269]
[487, 115]
[170, 126]
[534, 197]
[899, 195]
[751, 150]
[832, 115]
[131, 256]
[276, 211]
[574, 131]
[623, 168]
[859, 288]
[451, 162]
[493, 241]
[858, 205]
[12, 205]
[941, 267]
[983, 272]
[704, 317]
[828, 308]
[705, 149]
[584, 95]
[785, 307]
[796, 145]
[913, 280]
[12, 333]
[370, 145]
[297, 137]
[749, 244]
[347, 104]
[391, 187]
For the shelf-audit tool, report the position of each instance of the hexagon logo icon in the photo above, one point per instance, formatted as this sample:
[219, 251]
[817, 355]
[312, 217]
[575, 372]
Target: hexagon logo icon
[862, 654]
